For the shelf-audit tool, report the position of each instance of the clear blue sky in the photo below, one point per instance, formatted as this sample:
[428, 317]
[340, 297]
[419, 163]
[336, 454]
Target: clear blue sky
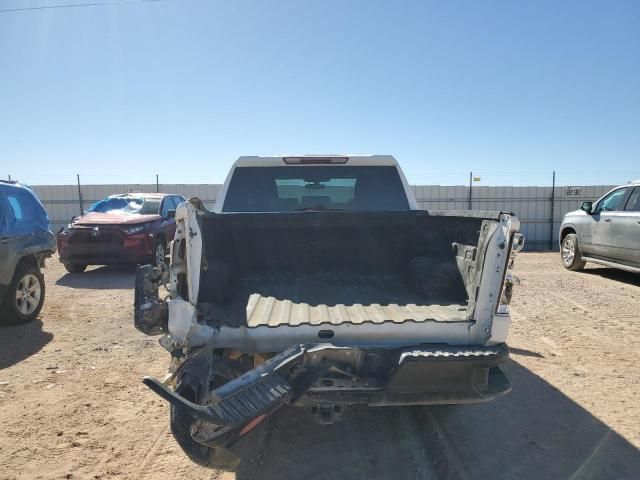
[508, 89]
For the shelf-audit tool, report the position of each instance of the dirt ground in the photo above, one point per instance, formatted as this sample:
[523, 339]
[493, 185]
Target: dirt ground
[72, 404]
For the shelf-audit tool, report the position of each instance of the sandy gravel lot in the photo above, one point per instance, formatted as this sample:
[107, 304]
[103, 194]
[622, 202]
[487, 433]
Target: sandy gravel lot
[74, 406]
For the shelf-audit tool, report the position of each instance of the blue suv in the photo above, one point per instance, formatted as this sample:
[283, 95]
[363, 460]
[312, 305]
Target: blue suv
[25, 242]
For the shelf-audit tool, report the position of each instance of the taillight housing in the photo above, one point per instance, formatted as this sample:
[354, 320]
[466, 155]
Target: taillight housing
[517, 244]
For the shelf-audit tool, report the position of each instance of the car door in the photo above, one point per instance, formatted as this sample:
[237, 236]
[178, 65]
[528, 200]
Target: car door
[597, 230]
[626, 230]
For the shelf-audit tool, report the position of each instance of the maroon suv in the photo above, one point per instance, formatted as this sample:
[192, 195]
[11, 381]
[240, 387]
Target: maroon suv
[129, 228]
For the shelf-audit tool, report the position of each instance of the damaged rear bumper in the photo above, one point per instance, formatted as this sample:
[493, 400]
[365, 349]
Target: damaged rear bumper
[215, 400]
[207, 421]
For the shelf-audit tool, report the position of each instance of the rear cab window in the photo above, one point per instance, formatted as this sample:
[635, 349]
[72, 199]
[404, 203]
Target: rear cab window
[315, 188]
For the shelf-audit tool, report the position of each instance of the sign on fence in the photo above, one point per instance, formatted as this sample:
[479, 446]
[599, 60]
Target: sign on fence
[573, 192]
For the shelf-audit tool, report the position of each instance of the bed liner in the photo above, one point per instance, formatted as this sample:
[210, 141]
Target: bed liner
[329, 298]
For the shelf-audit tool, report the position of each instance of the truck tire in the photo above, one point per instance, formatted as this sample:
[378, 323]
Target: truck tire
[225, 458]
[570, 253]
[25, 296]
[192, 382]
[74, 267]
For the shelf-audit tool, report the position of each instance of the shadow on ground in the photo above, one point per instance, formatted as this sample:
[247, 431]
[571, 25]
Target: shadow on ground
[615, 274]
[18, 342]
[524, 353]
[106, 277]
[532, 433]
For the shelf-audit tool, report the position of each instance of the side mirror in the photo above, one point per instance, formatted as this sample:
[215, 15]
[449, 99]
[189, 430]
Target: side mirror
[587, 207]
[171, 214]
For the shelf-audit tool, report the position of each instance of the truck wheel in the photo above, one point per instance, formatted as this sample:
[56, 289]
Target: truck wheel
[25, 296]
[74, 267]
[159, 252]
[180, 423]
[570, 254]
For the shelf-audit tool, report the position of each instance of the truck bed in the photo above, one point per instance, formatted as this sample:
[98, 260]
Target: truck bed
[275, 300]
[338, 268]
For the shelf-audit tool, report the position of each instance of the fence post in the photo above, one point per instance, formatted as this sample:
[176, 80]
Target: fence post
[80, 195]
[157, 184]
[553, 205]
[470, 187]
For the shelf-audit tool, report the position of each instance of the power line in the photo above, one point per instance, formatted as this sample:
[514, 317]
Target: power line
[73, 5]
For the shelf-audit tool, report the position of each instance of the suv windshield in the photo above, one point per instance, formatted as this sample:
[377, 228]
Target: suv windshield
[127, 205]
[307, 188]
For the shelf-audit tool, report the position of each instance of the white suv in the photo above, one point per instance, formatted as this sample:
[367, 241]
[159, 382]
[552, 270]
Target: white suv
[605, 232]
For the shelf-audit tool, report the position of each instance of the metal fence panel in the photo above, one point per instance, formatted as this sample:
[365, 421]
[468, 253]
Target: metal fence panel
[531, 204]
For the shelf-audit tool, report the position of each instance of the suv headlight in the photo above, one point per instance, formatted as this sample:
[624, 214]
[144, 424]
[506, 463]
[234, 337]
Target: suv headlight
[135, 229]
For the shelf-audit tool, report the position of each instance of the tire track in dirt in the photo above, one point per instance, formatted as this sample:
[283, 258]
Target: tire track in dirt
[151, 451]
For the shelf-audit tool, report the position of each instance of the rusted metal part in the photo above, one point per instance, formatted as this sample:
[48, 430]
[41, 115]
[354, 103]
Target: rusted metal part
[150, 312]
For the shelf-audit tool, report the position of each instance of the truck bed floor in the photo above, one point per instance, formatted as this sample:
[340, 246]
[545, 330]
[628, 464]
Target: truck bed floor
[329, 298]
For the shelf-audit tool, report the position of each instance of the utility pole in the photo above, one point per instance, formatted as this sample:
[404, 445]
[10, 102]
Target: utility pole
[470, 187]
[80, 195]
[9, 177]
[553, 205]
[157, 184]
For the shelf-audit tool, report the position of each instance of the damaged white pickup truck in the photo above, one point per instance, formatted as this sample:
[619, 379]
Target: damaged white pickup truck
[317, 281]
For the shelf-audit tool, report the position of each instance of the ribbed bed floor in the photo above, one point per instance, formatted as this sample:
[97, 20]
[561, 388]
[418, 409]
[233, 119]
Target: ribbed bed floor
[333, 299]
